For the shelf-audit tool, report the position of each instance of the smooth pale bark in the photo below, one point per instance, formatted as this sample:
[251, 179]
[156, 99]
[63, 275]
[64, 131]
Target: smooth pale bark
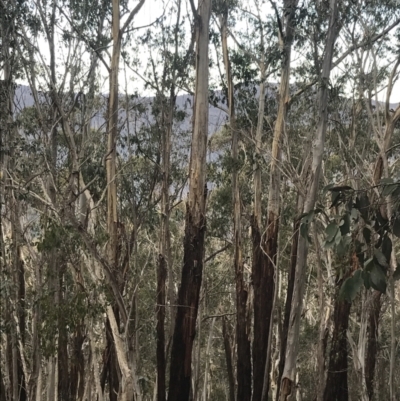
[189, 291]
[289, 373]
[290, 287]
[15, 264]
[243, 360]
[127, 386]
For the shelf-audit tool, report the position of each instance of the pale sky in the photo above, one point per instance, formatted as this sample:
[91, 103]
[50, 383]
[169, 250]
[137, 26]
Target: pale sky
[153, 9]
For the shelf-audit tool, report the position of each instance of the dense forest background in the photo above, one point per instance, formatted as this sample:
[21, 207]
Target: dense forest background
[200, 203]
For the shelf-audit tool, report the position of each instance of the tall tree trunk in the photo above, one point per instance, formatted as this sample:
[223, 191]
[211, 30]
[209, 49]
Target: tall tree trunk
[323, 329]
[243, 371]
[262, 297]
[336, 388]
[189, 291]
[16, 304]
[289, 291]
[272, 228]
[164, 262]
[289, 373]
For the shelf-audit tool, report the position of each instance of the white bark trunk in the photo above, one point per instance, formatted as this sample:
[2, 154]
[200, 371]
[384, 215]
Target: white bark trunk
[313, 182]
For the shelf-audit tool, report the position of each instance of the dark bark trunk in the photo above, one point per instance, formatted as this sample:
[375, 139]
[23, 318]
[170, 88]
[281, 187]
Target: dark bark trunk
[228, 358]
[63, 371]
[243, 340]
[3, 387]
[372, 342]
[161, 363]
[186, 315]
[336, 388]
[195, 224]
[22, 396]
[263, 283]
[110, 365]
[62, 350]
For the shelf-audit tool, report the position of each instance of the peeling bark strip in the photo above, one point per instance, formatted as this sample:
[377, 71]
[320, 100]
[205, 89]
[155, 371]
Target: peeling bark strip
[189, 290]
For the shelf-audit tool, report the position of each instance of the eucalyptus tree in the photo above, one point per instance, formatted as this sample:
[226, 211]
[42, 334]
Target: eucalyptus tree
[189, 290]
[289, 373]
[12, 263]
[243, 358]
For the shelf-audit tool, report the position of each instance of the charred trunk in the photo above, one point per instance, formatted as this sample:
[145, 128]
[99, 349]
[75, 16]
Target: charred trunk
[263, 276]
[195, 224]
[336, 388]
[186, 315]
[161, 363]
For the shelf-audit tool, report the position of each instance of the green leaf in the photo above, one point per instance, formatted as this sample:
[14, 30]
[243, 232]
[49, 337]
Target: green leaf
[367, 235]
[396, 226]
[329, 244]
[389, 189]
[336, 196]
[331, 231]
[380, 258]
[378, 279]
[367, 279]
[368, 265]
[362, 204]
[345, 224]
[354, 213]
[351, 287]
[341, 248]
[304, 232]
[387, 247]
[388, 185]
[308, 217]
